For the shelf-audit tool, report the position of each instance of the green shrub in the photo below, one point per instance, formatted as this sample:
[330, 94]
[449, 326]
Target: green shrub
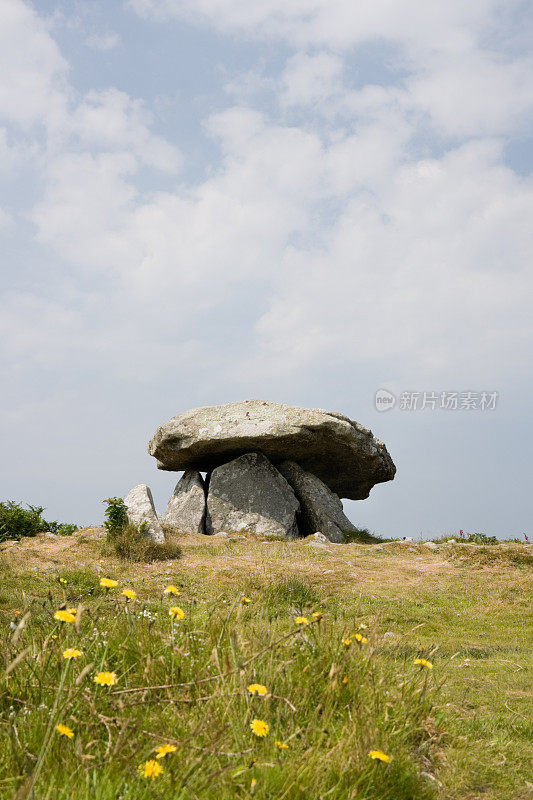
[16, 521]
[116, 515]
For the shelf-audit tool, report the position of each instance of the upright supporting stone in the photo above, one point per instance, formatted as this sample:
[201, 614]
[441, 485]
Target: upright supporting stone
[320, 508]
[141, 512]
[186, 508]
[249, 494]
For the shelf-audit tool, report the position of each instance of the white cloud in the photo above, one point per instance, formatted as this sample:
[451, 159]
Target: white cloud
[103, 41]
[335, 23]
[33, 74]
[348, 244]
[457, 73]
[431, 274]
[112, 119]
[311, 79]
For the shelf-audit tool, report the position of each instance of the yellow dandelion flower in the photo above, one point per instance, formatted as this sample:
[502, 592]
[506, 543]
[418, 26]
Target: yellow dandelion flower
[150, 769]
[129, 593]
[62, 580]
[281, 745]
[379, 755]
[171, 589]
[65, 616]
[359, 638]
[164, 749]
[317, 615]
[257, 688]
[245, 600]
[176, 612]
[71, 652]
[301, 621]
[106, 678]
[346, 642]
[108, 583]
[259, 727]
[64, 730]
[423, 663]
[345, 680]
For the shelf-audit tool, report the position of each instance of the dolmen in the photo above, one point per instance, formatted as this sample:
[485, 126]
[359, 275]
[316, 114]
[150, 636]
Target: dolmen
[270, 469]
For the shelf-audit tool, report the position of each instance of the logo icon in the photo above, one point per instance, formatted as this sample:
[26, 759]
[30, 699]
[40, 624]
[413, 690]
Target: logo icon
[384, 400]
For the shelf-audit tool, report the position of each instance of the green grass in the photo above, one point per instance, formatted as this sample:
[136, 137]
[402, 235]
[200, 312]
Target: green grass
[460, 731]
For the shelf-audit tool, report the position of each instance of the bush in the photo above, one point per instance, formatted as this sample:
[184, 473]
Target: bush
[131, 544]
[116, 515]
[362, 536]
[16, 521]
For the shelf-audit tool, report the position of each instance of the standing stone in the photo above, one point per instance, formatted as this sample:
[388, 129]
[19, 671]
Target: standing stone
[320, 509]
[249, 494]
[141, 512]
[186, 507]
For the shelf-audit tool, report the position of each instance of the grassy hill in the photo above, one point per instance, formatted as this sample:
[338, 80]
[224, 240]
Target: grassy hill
[330, 636]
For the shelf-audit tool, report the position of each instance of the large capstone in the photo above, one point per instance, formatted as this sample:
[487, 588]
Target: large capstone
[320, 508]
[186, 508]
[141, 512]
[342, 453]
[249, 494]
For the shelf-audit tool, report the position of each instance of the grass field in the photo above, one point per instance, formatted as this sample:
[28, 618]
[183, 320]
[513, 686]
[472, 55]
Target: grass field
[461, 729]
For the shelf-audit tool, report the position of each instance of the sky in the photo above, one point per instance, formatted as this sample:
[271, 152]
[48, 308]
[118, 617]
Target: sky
[304, 201]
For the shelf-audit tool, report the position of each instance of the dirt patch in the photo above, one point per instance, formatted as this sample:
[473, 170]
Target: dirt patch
[375, 568]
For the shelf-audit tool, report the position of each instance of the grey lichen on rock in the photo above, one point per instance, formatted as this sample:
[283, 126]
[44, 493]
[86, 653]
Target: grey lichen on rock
[186, 508]
[342, 453]
[320, 508]
[141, 512]
[249, 494]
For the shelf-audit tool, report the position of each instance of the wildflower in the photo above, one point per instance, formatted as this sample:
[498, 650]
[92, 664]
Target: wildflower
[245, 600]
[346, 643]
[71, 652]
[62, 580]
[171, 589]
[317, 616]
[129, 594]
[281, 745]
[359, 638]
[379, 755]
[106, 678]
[345, 680]
[150, 769]
[65, 616]
[107, 583]
[72, 611]
[301, 621]
[164, 749]
[423, 663]
[257, 688]
[259, 727]
[176, 612]
[64, 730]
